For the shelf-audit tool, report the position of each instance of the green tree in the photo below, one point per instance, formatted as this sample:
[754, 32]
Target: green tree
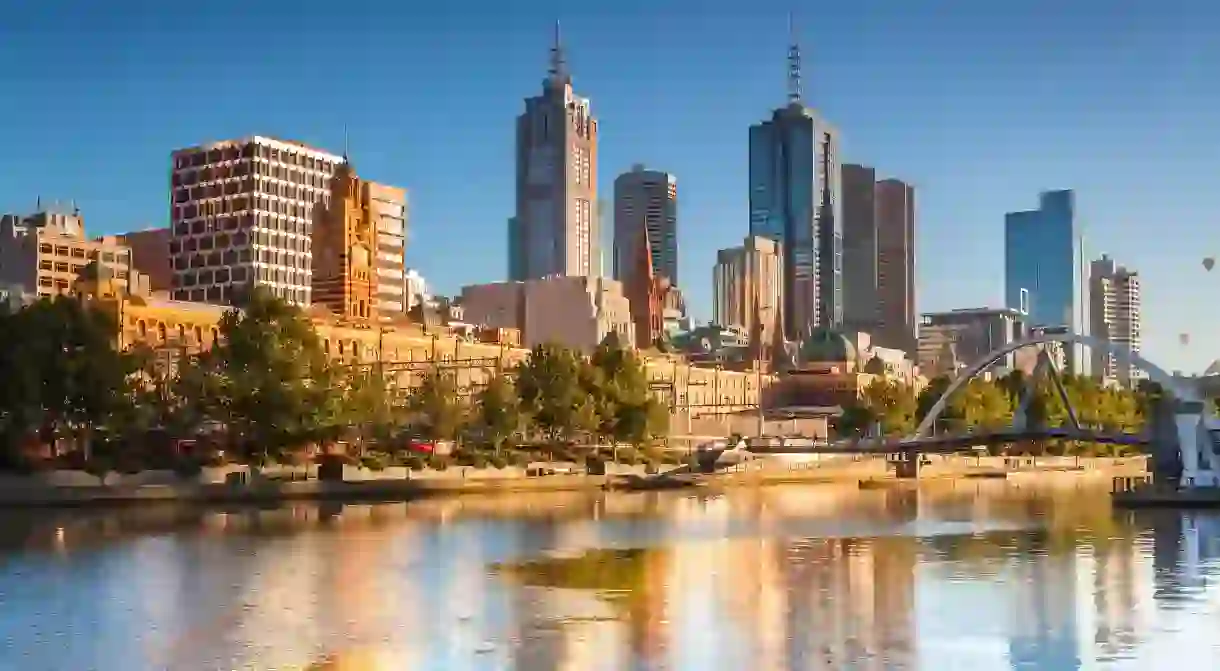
[63, 374]
[893, 404]
[268, 379]
[628, 410]
[549, 388]
[499, 412]
[436, 408]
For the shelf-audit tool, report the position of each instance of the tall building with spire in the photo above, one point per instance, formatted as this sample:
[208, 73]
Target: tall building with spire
[795, 199]
[555, 229]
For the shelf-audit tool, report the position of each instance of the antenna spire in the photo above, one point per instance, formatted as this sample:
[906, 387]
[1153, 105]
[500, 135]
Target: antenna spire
[346, 157]
[559, 69]
[794, 63]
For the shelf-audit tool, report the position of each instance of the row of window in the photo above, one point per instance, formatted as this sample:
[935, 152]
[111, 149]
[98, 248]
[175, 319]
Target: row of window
[230, 257]
[250, 150]
[258, 220]
[270, 189]
[224, 293]
[74, 268]
[73, 252]
[275, 240]
[184, 214]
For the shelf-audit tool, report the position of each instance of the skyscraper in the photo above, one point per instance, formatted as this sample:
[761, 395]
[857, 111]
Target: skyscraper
[1114, 316]
[860, 300]
[242, 214]
[795, 199]
[879, 257]
[646, 201]
[896, 265]
[555, 231]
[1041, 261]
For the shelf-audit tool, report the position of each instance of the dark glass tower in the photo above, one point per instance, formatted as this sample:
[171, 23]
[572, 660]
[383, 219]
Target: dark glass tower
[795, 199]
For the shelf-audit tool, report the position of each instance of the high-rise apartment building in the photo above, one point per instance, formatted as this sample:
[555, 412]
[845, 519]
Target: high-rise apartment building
[555, 231]
[748, 285]
[795, 199]
[242, 214]
[646, 201]
[1114, 316]
[879, 257]
[1042, 267]
[387, 209]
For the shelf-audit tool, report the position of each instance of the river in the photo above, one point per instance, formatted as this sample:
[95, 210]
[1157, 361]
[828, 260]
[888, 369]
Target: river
[954, 576]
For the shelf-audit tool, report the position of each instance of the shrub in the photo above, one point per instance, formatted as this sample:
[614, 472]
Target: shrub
[497, 461]
[374, 462]
[438, 463]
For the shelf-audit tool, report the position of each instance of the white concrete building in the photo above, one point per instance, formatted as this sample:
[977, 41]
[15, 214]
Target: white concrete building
[241, 215]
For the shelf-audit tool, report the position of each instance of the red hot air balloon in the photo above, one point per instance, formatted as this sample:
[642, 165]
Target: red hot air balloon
[1209, 263]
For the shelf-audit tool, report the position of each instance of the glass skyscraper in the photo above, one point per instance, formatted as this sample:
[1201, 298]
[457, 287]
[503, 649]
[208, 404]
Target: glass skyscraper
[795, 191]
[1042, 273]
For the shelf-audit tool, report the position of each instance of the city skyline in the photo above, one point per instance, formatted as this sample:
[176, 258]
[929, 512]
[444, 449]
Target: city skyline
[128, 194]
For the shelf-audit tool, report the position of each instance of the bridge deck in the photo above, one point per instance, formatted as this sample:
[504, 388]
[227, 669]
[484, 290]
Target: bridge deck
[957, 443]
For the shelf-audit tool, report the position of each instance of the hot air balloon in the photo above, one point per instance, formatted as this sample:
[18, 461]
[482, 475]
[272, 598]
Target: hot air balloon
[1184, 338]
[1209, 263]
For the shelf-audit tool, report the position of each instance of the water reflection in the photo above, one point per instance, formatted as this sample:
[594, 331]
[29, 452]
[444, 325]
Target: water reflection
[979, 576]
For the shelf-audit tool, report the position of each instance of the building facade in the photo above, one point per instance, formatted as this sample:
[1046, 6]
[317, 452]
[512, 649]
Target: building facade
[43, 254]
[795, 199]
[1043, 266]
[242, 215]
[150, 255]
[748, 286]
[1114, 316]
[646, 202]
[897, 319]
[577, 312]
[387, 209]
[860, 299]
[879, 257]
[957, 338]
[345, 237]
[555, 231]
[1041, 261]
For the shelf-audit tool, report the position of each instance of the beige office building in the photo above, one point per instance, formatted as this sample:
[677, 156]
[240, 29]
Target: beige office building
[387, 207]
[577, 312]
[42, 254]
[748, 281]
[242, 215]
[1114, 316]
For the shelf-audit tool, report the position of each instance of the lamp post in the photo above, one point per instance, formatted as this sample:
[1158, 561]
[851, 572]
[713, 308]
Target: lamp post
[762, 312]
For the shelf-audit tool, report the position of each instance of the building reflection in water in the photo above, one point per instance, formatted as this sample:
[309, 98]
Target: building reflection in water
[781, 578]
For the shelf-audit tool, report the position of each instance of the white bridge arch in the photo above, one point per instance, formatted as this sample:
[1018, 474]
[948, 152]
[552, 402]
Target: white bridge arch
[1125, 358]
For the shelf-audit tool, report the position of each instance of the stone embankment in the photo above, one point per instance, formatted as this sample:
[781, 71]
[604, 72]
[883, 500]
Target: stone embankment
[242, 485]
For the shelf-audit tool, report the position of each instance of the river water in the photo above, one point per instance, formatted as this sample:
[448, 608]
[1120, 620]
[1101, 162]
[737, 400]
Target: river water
[956, 576]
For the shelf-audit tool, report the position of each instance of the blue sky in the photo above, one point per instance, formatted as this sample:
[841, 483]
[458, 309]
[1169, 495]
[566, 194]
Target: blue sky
[979, 104]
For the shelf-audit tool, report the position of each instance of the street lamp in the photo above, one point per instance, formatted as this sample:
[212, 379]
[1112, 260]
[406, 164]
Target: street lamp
[758, 369]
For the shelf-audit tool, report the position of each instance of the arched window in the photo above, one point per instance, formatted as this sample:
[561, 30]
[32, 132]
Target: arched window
[161, 332]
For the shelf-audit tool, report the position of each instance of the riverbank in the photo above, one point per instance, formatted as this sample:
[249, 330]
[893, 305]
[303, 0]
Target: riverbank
[67, 490]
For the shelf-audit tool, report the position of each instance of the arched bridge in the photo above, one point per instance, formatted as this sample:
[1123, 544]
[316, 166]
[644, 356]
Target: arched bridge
[1180, 390]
